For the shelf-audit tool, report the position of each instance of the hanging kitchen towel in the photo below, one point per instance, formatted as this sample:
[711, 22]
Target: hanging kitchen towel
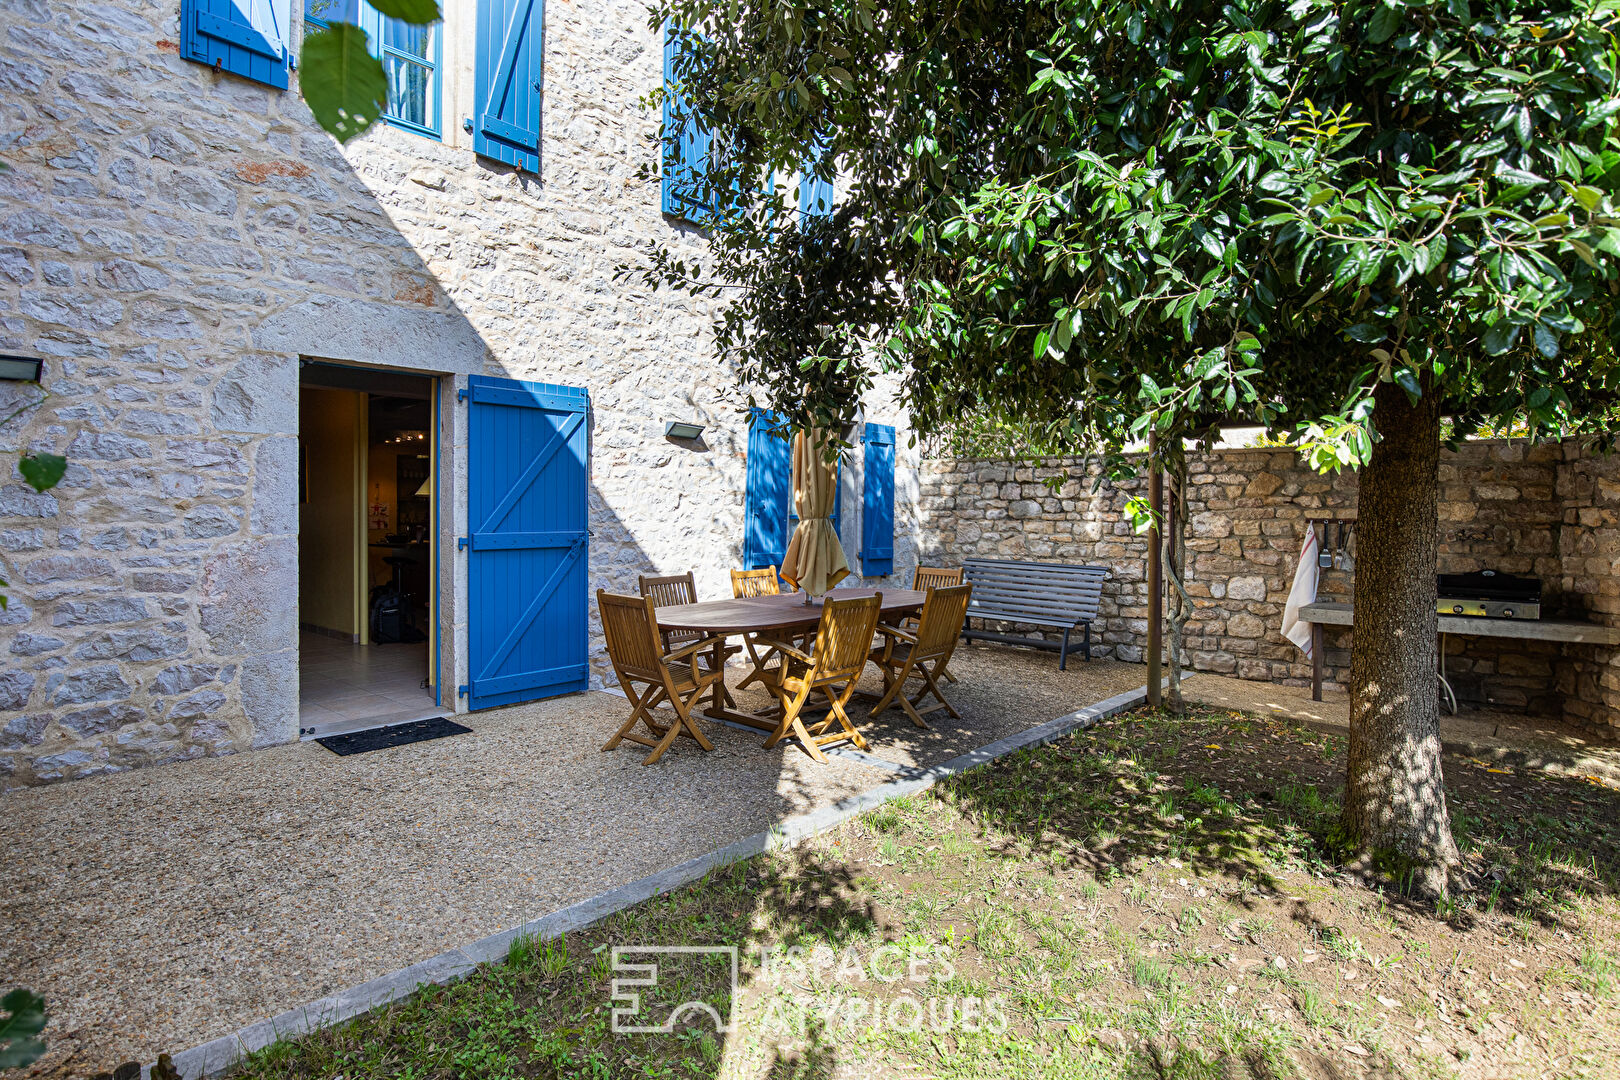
[1303, 592]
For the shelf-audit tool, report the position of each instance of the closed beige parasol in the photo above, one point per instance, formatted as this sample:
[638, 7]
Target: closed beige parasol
[815, 560]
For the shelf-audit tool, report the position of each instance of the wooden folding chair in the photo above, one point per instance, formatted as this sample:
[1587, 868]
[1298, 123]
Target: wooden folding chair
[923, 654]
[934, 577]
[630, 624]
[746, 584]
[673, 589]
[765, 582]
[832, 667]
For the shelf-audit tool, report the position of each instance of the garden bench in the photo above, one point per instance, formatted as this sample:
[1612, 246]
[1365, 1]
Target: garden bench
[1060, 596]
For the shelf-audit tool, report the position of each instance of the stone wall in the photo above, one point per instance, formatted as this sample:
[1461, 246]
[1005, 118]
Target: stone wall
[1546, 510]
[173, 242]
[1589, 558]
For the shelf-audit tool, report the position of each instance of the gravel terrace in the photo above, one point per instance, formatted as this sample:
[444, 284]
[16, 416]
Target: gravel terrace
[1512, 738]
[160, 908]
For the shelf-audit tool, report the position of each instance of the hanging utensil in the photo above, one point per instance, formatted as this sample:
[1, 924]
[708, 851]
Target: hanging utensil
[1324, 556]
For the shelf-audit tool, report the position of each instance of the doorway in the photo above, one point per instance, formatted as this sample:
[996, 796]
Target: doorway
[366, 548]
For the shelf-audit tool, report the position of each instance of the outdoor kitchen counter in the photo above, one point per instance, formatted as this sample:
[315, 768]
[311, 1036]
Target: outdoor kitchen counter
[1585, 633]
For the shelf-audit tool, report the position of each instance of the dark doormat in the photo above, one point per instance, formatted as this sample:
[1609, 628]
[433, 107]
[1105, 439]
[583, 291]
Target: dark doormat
[360, 742]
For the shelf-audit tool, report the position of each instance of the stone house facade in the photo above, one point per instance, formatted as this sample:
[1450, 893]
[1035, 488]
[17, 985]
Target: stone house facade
[176, 241]
[1548, 510]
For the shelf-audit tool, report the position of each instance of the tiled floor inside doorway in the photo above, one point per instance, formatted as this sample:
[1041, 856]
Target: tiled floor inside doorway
[345, 687]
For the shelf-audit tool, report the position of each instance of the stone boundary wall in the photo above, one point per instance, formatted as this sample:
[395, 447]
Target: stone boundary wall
[1550, 510]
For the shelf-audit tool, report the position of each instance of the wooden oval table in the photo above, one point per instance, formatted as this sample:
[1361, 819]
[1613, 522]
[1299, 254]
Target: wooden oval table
[751, 615]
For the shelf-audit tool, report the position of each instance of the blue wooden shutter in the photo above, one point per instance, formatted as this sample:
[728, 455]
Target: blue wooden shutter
[510, 51]
[767, 493]
[877, 504]
[528, 552]
[687, 146]
[244, 37]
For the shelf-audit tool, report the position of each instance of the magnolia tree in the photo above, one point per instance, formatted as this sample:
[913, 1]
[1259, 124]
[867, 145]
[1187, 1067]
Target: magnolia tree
[1370, 225]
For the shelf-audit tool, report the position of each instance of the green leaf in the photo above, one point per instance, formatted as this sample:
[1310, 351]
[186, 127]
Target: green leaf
[415, 12]
[1366, 333]
[1520, 177]
[343, 83]
[1500, 337]
[1385, 21]
[42, 471]
[25, 1019]
[1546, 341]
[1062, 333]
[1408, 381]
[1589, 197]
[1438, 247]
[1372, 264]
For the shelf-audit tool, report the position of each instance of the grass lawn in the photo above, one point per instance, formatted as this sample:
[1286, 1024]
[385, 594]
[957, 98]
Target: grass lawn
[1153, 898]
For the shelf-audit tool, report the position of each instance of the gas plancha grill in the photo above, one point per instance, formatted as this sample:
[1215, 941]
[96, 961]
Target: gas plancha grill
[1488, 594]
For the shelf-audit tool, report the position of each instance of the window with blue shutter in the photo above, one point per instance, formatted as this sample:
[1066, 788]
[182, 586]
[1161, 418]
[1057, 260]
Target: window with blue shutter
[768, 512]
[245, 37]
[877, 503]
[687, 145]
[411, 58]
[815, 194]
[511, 40]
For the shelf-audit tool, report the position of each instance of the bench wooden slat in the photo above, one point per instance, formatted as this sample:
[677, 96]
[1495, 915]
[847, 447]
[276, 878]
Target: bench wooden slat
[996, 574]
[1036, 582]
[1074, 581]
[1001, 603]
[983, 588]
[1056, 603]
[1025, 564]
[1021, 617]
[1063, 573]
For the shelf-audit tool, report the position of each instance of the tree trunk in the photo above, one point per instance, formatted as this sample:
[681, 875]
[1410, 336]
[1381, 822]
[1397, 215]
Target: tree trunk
[1394, 796]
[1175, 572]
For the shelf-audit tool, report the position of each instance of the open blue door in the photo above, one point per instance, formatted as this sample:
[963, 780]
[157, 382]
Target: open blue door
[527, 490]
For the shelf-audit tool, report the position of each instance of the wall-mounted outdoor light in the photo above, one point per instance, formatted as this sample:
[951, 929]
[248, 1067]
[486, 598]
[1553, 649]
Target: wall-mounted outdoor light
[23, 369]
[682, 429]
